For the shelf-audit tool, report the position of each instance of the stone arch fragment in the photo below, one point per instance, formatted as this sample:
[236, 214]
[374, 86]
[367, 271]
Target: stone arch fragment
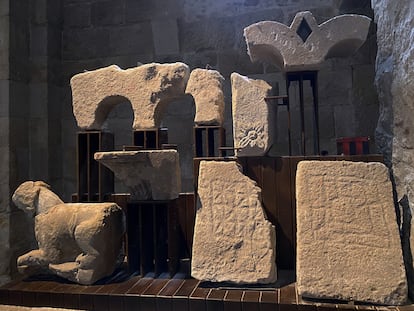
[148, 88]
[206, 88]
[305, 44]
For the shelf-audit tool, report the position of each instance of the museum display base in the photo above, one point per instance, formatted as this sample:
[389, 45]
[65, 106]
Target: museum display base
[131, 292]
[167, 290]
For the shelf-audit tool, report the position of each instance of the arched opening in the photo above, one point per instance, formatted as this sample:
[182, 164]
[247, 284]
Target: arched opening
[118, 121]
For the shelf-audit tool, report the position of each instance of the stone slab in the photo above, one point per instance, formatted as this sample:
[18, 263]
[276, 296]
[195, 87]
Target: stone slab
[233, 242]
[149, 88]
[348, 242]
[304, 45]
[253, 119]
[206, 87]
[149, 174]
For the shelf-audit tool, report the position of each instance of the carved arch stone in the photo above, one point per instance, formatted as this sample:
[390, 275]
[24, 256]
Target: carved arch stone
[305, 44]
[149, 88]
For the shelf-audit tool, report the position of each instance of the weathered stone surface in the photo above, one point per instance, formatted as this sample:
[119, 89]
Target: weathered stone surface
[348, 243]
[253, 119]
[149, 174]
[395, 84]
[233, 242]
[81, 242]
[148, 87]
[206, 86]
[305, 44]
[35, 197]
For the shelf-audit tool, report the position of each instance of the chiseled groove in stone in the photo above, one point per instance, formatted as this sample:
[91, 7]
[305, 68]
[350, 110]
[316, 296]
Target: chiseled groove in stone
[281, 45]
[253, 119]
[206, 87]
[149, 88]
[233, 242]
[149, 174]
[348, 242]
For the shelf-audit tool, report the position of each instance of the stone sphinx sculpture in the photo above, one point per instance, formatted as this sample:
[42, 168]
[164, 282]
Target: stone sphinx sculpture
[78, 241]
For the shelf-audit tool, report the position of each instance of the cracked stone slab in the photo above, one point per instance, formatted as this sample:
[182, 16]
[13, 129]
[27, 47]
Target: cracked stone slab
[348, 242]
[149, 174]
[149, 88]
[233, 242]
[206, 87]
[305, 44]
[253, 119]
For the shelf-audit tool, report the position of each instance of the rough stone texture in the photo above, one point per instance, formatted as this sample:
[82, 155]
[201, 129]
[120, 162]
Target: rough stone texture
[282, 46]
[149, 175]
[253, 119]
[78, 241]
[348, 243]
[395, 85]
[35, 197]
[233, 242]
[148, 87]
[206, 86]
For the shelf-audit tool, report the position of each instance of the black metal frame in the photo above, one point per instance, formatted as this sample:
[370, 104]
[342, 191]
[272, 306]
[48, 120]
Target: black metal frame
[301, 76]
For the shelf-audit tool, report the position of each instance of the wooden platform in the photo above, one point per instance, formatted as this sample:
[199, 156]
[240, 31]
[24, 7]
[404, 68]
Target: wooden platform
[176, 294]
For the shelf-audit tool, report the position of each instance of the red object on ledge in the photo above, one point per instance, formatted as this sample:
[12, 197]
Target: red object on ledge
[353, 145]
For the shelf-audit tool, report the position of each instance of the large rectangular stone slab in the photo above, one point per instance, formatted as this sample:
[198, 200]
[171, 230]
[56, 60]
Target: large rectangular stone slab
[233, 241]
[348, 242]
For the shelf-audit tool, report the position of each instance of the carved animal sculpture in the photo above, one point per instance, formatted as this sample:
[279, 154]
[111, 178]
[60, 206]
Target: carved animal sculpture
[78, 241]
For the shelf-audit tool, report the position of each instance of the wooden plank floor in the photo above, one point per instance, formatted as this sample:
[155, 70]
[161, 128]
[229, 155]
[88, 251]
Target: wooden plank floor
[166, 294]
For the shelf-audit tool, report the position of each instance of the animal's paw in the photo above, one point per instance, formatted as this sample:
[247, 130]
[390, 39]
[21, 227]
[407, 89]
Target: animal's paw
[32, 258]
[67, 270]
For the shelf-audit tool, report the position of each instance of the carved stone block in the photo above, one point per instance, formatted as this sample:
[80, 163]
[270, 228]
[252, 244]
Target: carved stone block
[348, 243]
[206, 86]
[305, 44]
[149, 88]
[233, 242]
[253, 119]
[149, 174]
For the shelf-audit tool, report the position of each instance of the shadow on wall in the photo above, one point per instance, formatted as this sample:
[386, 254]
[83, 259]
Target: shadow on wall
[179, 119]
[22, 235]
[404, 206]
[119, 123]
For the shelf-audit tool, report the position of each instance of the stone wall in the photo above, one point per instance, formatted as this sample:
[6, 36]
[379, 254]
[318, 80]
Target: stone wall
[46, 42]
[395, 84]
[4, 142]
[29, 112]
